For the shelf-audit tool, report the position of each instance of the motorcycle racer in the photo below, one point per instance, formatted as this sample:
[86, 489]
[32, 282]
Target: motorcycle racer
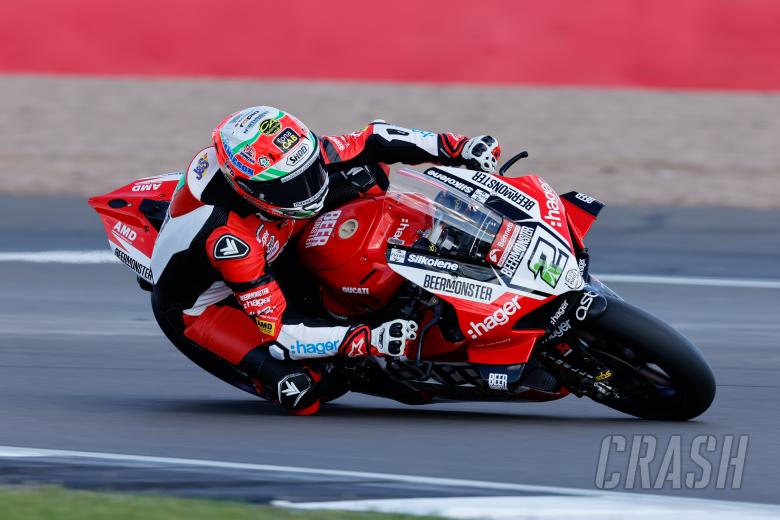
[240, 202]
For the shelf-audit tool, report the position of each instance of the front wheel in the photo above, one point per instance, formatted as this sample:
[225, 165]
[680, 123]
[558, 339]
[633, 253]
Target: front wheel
[657, 372]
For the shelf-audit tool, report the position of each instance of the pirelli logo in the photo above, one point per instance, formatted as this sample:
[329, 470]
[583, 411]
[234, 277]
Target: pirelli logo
[266, 327]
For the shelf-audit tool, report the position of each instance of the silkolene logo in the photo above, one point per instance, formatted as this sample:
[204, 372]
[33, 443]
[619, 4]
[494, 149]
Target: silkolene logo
[322, 348]
[499, 317]
[447, 179]
[432, 262]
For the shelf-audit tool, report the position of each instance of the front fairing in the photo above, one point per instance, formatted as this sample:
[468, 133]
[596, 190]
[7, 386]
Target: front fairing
[488, 241]
[492, 251]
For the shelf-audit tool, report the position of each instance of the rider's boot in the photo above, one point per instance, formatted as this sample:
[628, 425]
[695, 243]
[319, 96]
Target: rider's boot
[295, 386]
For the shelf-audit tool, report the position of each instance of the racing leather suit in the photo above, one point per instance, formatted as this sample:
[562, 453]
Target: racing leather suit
[212, 287]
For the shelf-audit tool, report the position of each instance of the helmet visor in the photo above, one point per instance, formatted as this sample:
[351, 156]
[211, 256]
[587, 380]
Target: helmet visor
[296, 190]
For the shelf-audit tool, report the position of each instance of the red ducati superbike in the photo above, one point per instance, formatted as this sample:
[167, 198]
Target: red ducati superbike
[495, 272]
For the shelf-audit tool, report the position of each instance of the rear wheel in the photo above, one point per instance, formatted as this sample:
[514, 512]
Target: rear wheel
[657, 372]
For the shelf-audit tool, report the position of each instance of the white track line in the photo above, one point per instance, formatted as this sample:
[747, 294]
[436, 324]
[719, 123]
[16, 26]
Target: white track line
[570, 502]
[104, 257]
[14, 451]
[684, 280]
[604, 507]
[101, 256]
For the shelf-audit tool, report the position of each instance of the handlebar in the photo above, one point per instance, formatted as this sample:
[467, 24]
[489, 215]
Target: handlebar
[512, 161]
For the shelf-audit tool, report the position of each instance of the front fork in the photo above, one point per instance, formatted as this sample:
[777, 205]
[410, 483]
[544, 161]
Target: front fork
[566, 355]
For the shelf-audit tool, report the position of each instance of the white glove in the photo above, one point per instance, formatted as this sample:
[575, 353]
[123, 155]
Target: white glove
[481, 153]
[390, 338]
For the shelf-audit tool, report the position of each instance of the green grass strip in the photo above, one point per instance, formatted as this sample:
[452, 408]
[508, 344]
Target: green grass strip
[44, 503]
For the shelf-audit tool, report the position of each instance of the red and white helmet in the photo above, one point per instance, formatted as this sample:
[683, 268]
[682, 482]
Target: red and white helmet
[273, 161]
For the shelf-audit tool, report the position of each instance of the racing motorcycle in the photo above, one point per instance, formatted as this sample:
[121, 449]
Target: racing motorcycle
[495, 272]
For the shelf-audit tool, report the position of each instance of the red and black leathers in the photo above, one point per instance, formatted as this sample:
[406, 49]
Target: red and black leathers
[212, 286]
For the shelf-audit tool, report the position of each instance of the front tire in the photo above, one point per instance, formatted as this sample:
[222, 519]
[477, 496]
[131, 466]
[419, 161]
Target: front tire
[659, 373]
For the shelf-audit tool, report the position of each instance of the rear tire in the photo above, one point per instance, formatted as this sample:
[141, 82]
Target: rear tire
[635, 345]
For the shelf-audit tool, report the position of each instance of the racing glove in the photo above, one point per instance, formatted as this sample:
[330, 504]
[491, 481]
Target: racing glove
[481, 153]
[389, 339]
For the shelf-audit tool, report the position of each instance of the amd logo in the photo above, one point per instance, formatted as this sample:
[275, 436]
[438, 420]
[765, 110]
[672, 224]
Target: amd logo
[147, 186]
[125, 231]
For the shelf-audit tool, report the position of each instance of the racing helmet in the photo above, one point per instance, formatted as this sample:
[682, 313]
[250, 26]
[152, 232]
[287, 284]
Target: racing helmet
[273, 161]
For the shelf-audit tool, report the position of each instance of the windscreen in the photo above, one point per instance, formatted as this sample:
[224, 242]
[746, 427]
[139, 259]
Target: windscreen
[462, 227]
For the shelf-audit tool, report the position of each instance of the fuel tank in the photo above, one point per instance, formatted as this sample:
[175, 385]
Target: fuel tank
[345, 251]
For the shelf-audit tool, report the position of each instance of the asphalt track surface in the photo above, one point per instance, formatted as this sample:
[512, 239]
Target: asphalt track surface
[83, 367]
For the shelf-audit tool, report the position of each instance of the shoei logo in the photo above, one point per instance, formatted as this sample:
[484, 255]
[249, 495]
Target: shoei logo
[499, 317]
[321, 349]
[298, 154]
